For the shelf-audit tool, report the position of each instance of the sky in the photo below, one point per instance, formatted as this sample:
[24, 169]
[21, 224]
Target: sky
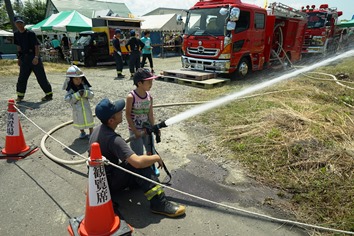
[140, 7]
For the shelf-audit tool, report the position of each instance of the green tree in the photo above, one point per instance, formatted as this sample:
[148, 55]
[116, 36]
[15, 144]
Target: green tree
[10, 13]
[4, 19]
[17, 6]
[34, 11]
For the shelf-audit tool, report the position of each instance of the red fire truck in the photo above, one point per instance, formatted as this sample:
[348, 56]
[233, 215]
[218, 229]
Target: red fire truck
[235, 38]
[322, 35]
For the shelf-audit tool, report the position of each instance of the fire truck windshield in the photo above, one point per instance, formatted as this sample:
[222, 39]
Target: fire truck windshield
[205, 22]
[316, 20]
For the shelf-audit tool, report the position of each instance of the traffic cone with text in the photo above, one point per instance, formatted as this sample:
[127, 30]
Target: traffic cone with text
[15, 145]
[99, 217]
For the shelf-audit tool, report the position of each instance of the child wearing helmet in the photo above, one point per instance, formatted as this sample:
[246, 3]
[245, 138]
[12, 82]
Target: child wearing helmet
[78, 93]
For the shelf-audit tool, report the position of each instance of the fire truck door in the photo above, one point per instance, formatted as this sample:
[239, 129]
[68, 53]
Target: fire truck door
[258, 32]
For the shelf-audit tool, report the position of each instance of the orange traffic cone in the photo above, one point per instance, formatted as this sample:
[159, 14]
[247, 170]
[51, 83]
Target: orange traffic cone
[99, 216]
[15, 145]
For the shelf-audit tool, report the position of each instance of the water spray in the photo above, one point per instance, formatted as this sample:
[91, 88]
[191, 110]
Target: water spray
[224, 100]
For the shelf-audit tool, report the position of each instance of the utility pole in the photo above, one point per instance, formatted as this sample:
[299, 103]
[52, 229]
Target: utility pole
[10, 13]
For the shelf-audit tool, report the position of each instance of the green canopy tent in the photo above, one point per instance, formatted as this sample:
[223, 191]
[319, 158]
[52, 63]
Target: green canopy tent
[347, 24]
[66, 21]
[37, 27]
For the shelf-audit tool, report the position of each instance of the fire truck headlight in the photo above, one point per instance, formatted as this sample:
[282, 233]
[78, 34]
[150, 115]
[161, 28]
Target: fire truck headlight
[221, 65]
[224, 56]
[318, 40]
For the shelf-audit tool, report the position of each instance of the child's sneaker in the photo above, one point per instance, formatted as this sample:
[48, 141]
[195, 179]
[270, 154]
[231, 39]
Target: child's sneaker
[82, 135]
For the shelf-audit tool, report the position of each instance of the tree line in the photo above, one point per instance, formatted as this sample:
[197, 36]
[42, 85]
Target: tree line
[32, 11]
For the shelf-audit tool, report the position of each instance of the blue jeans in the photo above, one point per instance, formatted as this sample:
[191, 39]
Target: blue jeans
[147, 141]
[137, 145]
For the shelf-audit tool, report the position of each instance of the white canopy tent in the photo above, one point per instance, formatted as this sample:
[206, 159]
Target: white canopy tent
[161, 23]
[4, 33]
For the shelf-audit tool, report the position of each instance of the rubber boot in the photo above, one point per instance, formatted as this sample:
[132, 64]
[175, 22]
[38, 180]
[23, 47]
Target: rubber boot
[160, 205]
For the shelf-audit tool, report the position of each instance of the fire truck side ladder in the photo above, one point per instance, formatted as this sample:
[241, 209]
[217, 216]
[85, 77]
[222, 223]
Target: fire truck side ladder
[282, 10]
[284, 62]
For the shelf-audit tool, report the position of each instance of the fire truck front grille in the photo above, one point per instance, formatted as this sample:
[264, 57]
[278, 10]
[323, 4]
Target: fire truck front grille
[307, 41]
[201, 51]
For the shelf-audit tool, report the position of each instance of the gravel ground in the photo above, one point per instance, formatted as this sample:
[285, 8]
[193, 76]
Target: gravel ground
[179, 149]
[104, 85]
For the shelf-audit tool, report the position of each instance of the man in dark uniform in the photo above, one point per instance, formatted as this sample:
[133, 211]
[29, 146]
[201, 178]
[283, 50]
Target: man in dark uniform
[29, 60]
[65, 42]
[134, 46]
[117, 151]
[117, 54]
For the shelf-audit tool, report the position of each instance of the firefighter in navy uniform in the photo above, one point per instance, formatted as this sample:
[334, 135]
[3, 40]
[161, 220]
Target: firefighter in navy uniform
[117, 54]
[134, 46]
[29, 60]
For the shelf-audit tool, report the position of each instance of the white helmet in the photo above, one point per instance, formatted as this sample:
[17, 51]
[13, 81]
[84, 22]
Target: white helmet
[74, 71]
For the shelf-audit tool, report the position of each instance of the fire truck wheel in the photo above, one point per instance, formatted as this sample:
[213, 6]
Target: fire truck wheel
[243, 69]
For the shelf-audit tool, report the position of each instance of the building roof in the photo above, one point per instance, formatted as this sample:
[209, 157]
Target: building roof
[164, 10]
[86, 7]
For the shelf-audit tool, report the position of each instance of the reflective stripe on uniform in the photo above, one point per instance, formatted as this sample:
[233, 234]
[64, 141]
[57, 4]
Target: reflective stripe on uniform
[157, 190]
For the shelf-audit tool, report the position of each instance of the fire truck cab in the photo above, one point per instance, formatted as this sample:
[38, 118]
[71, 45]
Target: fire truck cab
[322, 34]
[231, 37]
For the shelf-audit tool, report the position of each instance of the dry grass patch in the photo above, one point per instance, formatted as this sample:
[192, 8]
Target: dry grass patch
[300, 141]
[10, 67]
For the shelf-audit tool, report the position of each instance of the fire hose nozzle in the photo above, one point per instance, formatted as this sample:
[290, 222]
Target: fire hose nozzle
[156, 130]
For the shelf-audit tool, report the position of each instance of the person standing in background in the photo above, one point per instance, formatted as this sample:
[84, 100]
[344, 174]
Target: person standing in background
[65, 42]
[134, 46]
[117, 54]
[56, 45]
[29, 60]
[147, 51]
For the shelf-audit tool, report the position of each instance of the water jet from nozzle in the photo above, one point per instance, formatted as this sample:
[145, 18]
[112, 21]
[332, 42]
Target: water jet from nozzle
[224, 100]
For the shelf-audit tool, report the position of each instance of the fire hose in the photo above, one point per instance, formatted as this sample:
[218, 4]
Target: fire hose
[149, 130]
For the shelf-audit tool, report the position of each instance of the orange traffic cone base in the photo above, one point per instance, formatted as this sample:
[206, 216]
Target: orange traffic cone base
[77, 227]
[100, 218]
[17, 156]
[15, 144]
